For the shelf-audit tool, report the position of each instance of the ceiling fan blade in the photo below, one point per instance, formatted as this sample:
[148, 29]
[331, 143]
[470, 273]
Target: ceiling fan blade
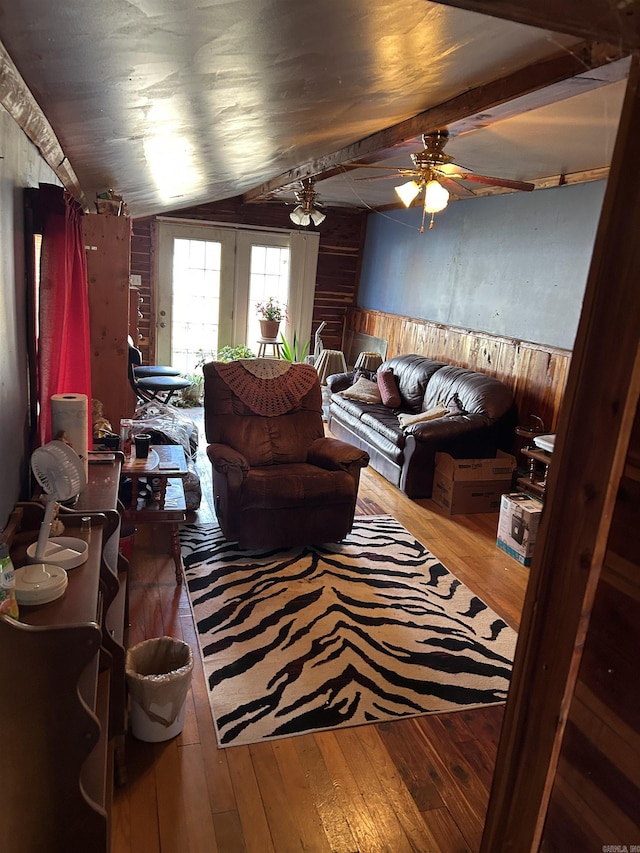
[454, 188]
[494, 182]
[398, 174]
[450, 169]
[379, 177]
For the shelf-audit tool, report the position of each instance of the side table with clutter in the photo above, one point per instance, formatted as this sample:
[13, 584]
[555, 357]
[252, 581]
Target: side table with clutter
[165, 425]
[161, 493]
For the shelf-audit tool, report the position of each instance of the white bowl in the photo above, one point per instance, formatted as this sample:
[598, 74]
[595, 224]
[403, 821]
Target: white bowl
[40, 583]
[62, 551]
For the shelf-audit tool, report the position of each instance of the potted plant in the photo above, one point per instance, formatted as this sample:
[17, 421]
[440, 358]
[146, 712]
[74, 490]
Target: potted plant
[229, 353]
[192, 396]
[270, 313]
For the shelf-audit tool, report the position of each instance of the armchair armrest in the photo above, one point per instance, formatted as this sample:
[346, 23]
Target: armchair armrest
[229, 462]
[335, 455]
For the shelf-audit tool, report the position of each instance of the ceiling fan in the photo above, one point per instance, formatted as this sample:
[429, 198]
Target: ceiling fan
[437, 174]
[308, 207]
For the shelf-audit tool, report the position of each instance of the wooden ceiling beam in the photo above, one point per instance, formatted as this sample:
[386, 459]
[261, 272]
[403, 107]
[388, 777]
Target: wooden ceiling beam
[16, 98]
[472, 106]
[618, 22]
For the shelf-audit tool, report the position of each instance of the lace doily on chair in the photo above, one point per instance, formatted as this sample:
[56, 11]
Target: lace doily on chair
[265, 387]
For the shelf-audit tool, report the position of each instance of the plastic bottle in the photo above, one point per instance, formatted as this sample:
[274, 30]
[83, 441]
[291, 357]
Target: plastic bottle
[8, 603]
[126, 427]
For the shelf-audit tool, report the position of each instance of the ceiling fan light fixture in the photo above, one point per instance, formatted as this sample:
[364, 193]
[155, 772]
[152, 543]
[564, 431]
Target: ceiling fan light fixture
[300, 216]
[306, 212]
[407, 192]
[436, 197]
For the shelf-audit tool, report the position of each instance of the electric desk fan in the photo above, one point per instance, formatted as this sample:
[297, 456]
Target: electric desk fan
[59, 470]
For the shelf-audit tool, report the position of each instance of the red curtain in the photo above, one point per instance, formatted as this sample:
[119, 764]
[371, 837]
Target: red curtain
[64, 365]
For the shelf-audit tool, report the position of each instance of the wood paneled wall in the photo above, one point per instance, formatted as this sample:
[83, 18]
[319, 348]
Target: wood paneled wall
[536, 374]
[596, 793]
[341, 242]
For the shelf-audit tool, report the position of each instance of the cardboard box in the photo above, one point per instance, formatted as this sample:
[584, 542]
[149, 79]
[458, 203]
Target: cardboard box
[499, 467]
[468, 496]
[518, 524]
[472, 485]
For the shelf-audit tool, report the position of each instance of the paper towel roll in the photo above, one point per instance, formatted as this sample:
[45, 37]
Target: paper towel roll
[69, 416]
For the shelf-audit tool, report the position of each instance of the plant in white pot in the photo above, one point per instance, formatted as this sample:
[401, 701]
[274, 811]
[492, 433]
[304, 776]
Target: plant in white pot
[270, 313]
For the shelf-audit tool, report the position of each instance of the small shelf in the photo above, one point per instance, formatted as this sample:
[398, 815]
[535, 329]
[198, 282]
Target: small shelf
[536, 481]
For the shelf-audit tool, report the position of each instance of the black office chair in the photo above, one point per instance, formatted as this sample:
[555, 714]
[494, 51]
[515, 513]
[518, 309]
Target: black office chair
[159, 386]
[142, 371]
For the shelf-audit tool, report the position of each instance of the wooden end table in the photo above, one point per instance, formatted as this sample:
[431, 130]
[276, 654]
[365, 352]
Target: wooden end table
[166, 463]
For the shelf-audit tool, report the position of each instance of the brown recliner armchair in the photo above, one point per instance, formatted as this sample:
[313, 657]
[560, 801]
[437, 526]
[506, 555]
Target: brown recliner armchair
[277, 480]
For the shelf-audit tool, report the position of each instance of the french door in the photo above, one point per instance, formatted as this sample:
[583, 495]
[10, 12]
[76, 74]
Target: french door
[210, 278]
[195, 301]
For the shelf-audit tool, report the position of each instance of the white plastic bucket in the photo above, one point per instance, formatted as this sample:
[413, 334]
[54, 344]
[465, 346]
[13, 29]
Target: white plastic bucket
[144, 728]
[158, 676]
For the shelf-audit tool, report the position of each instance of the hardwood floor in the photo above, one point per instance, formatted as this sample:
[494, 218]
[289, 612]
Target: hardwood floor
[419, 784]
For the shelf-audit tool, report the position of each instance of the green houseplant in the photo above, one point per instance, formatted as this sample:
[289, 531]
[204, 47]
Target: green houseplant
[229, 353]
[294, 351]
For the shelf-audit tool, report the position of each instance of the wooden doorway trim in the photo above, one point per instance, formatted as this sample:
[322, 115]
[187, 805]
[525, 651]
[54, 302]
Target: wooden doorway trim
[593, 435]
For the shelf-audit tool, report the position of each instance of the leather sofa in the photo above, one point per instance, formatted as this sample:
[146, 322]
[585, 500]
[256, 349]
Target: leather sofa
[479, 418]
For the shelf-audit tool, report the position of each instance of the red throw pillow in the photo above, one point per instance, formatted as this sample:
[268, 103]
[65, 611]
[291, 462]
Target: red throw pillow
[388, 386]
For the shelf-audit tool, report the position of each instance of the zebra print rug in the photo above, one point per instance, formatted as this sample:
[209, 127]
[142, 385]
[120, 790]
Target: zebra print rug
[370, 629]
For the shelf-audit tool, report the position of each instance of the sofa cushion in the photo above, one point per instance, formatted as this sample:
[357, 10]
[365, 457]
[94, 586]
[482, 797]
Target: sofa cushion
[477, 393]
[413, 374]
[295, 484]
[383, 437]
[364, 390]
[347, 407]
[389, 392]
[382, 420]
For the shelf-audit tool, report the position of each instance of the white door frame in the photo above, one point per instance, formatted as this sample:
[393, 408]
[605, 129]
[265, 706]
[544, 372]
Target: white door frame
[303, 267]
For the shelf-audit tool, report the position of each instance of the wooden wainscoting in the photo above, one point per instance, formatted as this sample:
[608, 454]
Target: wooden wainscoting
[536, 374]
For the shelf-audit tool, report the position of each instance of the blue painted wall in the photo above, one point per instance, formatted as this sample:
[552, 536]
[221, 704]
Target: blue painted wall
[513, 265]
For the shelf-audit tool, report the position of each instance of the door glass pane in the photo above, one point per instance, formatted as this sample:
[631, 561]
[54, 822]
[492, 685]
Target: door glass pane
[196, 301]
[268, 276]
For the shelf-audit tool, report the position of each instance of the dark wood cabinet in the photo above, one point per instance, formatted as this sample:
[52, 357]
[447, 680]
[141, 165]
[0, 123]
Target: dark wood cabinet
[62, 701]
